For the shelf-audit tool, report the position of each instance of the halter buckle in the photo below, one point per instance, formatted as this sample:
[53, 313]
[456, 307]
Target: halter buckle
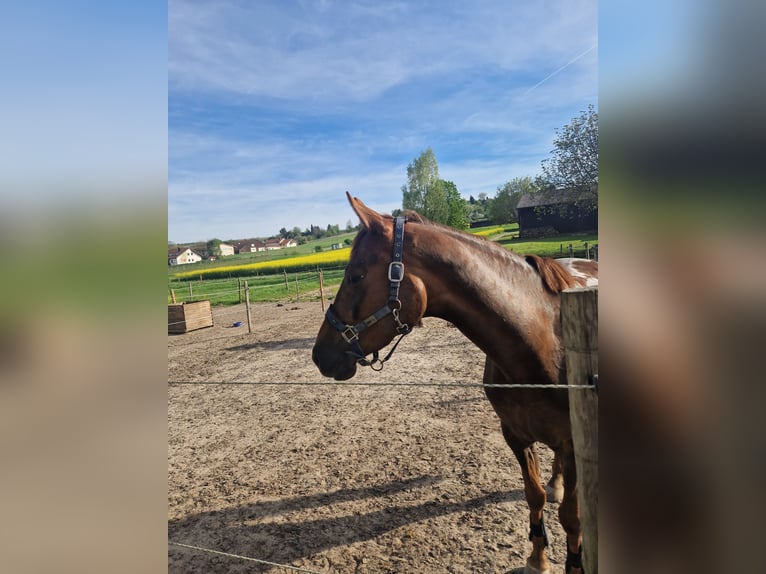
[396, 271]
[352, 337]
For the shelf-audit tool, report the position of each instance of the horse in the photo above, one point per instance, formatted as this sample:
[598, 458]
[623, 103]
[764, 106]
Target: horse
[506, 304]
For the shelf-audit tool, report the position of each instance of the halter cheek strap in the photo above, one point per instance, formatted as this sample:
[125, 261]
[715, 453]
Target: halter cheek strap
[350, 333]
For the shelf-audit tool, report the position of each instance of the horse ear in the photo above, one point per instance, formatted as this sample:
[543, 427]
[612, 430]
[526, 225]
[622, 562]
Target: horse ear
[370, 219]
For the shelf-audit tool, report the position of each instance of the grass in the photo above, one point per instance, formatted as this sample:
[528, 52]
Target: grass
[557, 246]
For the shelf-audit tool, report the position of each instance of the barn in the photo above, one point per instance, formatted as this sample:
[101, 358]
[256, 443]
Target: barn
[557, 211]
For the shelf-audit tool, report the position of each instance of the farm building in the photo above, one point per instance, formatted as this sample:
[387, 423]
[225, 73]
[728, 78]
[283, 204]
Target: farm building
[182, 256]
[226, 249]
[279, 243]
[557, 211]
[250, 246]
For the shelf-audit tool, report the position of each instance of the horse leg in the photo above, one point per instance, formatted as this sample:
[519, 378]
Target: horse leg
[537, 563]
[554, 490]
[569, 512]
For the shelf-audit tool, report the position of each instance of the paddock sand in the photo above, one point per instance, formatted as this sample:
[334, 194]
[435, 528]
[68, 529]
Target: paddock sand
[338, 478]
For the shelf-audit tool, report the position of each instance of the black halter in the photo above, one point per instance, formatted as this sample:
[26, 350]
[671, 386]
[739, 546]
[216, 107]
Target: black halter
[350, 333]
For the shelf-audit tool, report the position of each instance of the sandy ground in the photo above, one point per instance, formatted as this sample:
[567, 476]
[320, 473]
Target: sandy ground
[338, 478]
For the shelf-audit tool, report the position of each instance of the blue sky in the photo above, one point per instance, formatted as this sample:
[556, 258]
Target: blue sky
[275, 109]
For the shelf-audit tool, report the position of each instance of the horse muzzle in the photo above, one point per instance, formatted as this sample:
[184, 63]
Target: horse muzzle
[331, 363]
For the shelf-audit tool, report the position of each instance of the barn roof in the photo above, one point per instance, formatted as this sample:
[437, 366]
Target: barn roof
[554, 197]
[248, 242]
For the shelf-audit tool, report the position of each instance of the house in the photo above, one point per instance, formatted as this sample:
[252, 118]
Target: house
[557, 211]
[279, 243]
[249, 246]
[226, 249]
[180, 256]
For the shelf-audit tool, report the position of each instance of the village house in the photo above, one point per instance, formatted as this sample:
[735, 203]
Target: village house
[180, 256]
[250, 246]
[226, 249]
[279, 243]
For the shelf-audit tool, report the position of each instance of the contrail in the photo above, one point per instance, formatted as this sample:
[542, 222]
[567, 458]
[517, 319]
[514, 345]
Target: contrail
[569, 63]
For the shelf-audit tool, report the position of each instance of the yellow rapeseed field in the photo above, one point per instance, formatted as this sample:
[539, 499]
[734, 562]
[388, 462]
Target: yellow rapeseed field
[338, 256]
[489, 230]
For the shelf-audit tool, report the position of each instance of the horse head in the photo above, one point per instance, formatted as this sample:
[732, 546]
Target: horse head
[376, 301]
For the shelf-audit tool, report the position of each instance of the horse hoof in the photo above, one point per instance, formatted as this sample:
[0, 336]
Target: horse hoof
[553, 494]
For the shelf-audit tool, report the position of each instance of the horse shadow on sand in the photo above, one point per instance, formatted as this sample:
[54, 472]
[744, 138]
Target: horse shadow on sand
[259, 530]
[283, 345]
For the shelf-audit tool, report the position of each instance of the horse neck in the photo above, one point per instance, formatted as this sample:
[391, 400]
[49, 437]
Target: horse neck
[495, 298]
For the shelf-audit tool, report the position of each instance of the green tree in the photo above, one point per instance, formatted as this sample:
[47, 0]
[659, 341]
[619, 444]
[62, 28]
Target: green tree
[424, 192]
[502, 209]
[213, 248]
[574, 161]
[457, 207]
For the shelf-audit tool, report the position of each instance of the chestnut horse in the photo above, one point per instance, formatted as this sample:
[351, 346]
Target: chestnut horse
[508, 305]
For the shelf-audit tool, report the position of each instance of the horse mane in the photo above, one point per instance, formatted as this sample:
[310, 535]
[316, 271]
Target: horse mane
[554, 276]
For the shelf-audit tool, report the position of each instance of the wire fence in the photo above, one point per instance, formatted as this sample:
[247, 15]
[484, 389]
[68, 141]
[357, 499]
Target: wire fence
[590, 386]
[240, 557]
[268, 287]
[292, 287]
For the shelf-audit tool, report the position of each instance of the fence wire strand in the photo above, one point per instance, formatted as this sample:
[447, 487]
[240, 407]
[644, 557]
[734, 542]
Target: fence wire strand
[381, 384]
[240, 557]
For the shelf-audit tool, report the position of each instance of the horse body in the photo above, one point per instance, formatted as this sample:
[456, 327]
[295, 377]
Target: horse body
[506, 304]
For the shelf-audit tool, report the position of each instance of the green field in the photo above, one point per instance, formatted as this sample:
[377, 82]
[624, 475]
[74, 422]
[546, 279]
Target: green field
[222, 282]
[557, 246]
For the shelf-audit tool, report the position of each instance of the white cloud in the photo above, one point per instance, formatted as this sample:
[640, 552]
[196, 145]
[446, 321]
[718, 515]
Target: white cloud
[356, 51]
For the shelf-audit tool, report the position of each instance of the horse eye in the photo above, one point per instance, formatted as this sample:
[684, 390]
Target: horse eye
[354, 279]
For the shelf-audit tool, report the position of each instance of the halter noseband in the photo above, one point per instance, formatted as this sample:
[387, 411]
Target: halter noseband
[350, 333]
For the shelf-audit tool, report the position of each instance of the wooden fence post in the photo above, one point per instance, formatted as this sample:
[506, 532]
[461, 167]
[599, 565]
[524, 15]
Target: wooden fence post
[595, 252]
[579, 331]
[247, 308]
[571, 251]
[285, 272]
[321, 289]
[191, 295]
[296, 287]
[173, 295]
